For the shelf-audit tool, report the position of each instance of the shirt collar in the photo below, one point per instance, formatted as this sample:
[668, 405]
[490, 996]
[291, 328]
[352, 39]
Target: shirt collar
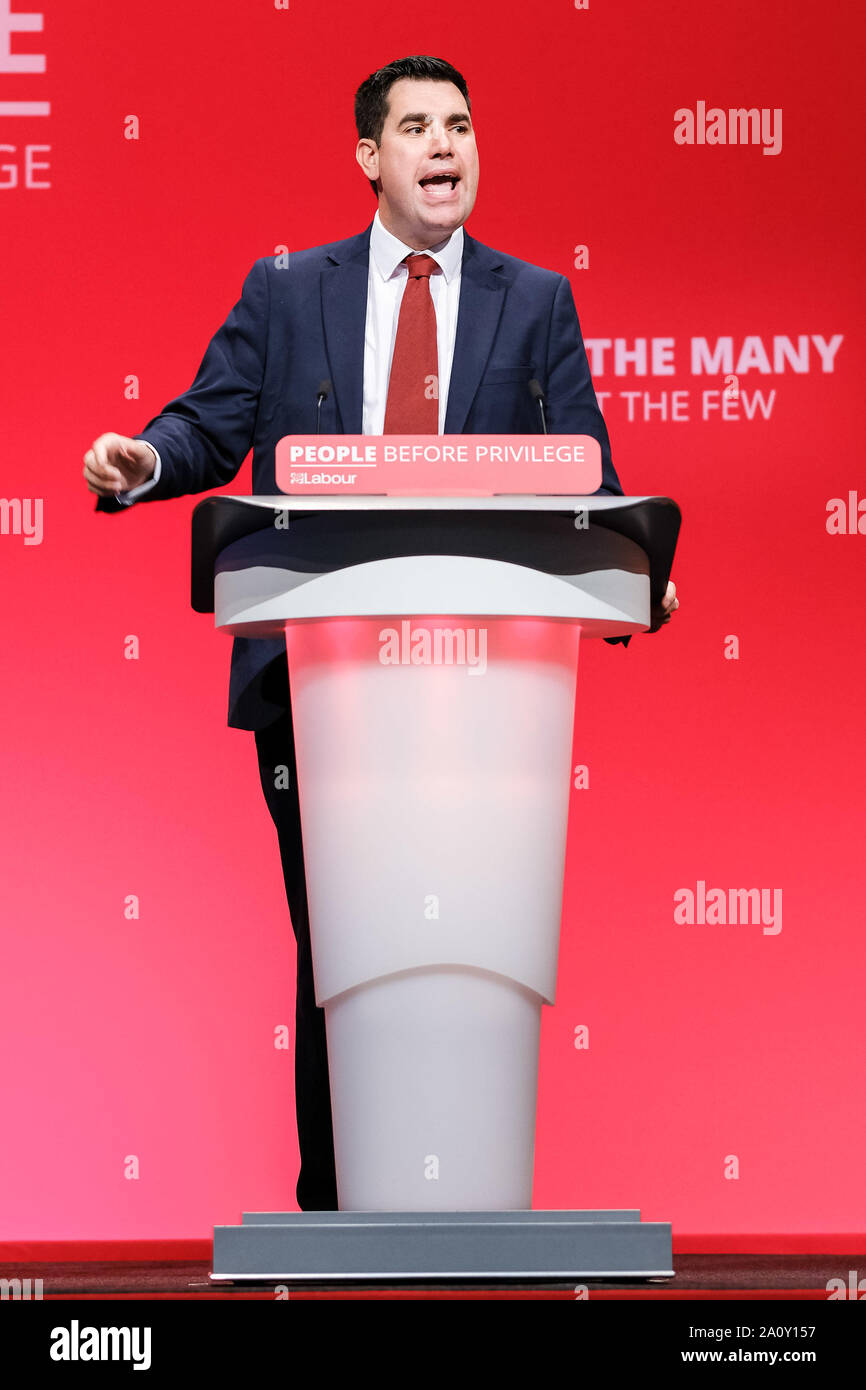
[387, 252]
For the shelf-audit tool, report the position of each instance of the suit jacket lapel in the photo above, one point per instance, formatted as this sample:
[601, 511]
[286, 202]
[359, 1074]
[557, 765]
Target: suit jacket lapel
[344, 313]
[482, 295]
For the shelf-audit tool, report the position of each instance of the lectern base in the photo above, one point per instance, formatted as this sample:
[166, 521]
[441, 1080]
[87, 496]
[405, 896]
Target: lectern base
[441, 1245]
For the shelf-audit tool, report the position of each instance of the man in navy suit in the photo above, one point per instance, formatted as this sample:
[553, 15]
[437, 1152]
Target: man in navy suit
[332, 314]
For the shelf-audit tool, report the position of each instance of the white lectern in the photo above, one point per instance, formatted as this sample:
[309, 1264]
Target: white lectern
[432, 652]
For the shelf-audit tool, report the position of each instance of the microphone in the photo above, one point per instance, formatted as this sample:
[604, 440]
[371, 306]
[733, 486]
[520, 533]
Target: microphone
[538, 395]
[322, 394]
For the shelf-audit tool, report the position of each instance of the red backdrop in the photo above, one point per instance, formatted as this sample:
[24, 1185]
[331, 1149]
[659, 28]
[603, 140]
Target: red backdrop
[721, 1087]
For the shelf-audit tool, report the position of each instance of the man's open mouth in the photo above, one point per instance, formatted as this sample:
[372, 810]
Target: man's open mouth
[439, 184]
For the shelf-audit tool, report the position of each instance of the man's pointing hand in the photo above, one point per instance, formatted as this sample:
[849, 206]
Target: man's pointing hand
[116, 463]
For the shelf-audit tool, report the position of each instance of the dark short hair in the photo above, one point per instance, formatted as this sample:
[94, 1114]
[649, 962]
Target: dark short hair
[371, 98]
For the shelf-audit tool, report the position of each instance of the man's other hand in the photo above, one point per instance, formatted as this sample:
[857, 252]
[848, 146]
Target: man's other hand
[115, 463]
[670, 602]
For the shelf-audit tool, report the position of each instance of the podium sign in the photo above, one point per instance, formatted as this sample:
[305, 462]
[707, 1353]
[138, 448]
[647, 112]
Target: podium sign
[438, 465]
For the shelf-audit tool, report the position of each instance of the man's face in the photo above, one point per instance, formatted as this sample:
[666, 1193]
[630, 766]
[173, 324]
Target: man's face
[426, 163]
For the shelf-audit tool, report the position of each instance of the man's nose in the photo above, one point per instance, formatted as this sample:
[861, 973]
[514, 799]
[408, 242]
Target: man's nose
[440, 139]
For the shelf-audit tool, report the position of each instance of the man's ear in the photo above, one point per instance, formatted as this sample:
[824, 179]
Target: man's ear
[367, 155]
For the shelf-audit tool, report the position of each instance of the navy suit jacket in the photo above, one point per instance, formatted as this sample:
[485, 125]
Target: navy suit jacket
[297, 325]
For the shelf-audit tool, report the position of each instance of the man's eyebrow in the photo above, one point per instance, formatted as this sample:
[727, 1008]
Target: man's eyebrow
[423, 118]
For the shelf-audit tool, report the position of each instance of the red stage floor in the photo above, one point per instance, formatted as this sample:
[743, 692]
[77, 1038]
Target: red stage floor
[796, 1277]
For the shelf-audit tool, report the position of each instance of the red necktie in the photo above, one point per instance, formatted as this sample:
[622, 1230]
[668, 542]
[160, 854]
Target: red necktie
[413, 386]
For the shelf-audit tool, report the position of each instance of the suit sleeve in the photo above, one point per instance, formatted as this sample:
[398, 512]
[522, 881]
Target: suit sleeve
[203, 436]
[572, 407]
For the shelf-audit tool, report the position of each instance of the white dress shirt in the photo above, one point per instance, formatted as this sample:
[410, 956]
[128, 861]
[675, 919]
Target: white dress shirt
[386, 283]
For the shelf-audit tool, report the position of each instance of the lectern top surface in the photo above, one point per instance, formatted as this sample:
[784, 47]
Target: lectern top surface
[379, 502]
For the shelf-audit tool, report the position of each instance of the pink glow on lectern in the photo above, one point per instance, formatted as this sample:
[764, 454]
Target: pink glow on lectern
[360, 639]
[437, 655]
